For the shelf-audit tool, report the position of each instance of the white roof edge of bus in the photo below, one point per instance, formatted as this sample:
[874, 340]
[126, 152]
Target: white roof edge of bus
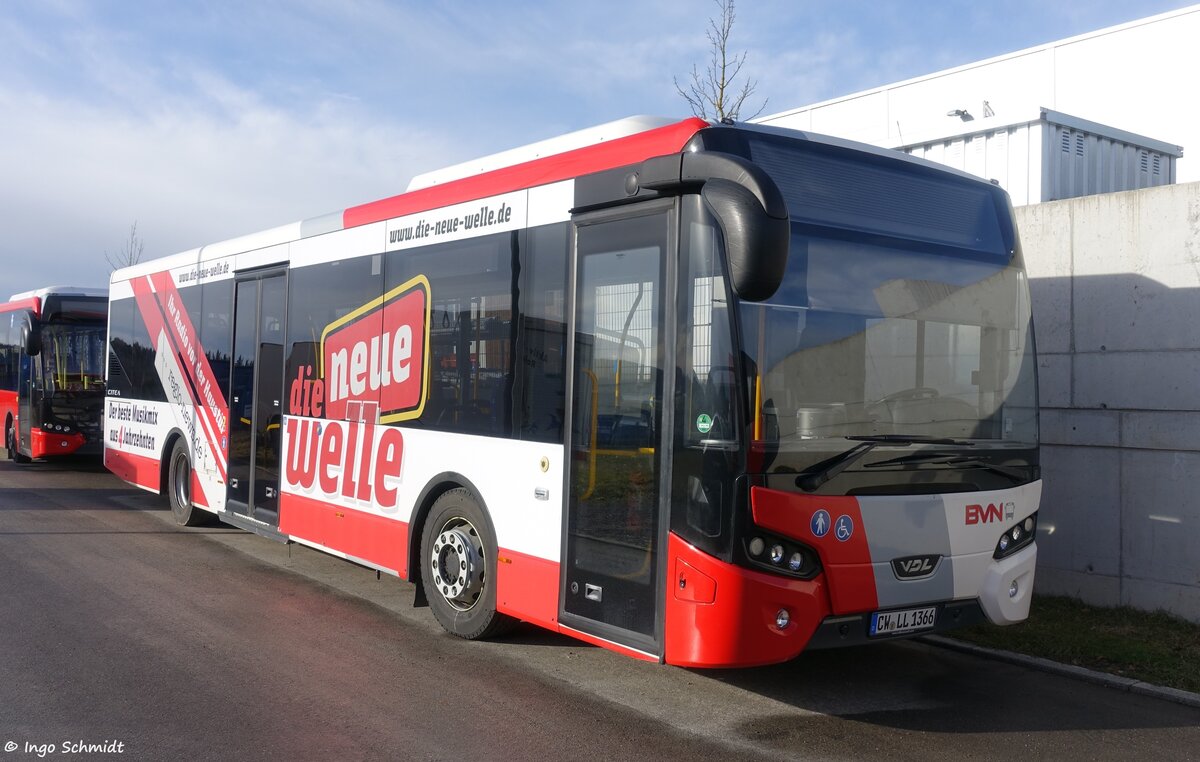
[620, 128]
[149, 266]
[41, 293]
[239, 245]
[252, 241]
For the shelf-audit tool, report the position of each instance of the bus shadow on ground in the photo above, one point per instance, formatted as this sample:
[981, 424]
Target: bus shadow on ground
[65, 464]
[77, 499]
[922, 688]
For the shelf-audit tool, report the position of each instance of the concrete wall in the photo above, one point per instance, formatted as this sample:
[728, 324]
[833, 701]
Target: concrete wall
[1115, 283]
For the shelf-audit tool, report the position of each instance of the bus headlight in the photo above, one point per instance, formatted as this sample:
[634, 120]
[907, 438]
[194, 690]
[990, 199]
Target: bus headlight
[1016, 537]
[779, 555]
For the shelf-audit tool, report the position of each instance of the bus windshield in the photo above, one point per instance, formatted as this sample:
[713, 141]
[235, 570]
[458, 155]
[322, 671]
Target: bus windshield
[73, 358]
[903, 314]
[866, 339]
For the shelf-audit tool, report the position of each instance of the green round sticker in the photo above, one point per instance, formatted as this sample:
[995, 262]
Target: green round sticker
[703, 423]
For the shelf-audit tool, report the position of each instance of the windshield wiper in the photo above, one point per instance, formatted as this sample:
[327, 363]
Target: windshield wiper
[811, 478]
[942, 458]
[908, 439]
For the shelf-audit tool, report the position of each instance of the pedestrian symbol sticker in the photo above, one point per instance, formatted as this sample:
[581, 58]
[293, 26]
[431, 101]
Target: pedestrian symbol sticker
[820, 523]
[844, 528]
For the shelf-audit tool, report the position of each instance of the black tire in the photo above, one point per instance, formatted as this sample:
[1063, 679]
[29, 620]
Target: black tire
[10, 441]
[458, 568]
[179, 488]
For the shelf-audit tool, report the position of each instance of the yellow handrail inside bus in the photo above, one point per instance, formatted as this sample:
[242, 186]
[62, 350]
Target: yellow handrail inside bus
[59, 372]
[758, 419]
[592, 444]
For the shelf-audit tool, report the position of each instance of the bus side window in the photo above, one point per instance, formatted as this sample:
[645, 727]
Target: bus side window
[321, 295]
[8, 354]
[121, 362]
[216, 331]
[471, 336]
[540, 384]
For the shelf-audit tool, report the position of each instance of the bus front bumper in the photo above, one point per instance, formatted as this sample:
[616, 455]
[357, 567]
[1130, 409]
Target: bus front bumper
[44, 444]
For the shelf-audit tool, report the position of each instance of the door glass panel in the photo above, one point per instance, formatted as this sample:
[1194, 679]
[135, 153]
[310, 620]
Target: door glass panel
[25, 408]
[241, 405]
[268, 399]
[613, 517]
[707, 453]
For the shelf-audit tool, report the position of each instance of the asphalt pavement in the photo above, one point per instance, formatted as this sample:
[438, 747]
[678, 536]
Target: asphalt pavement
[117, 627]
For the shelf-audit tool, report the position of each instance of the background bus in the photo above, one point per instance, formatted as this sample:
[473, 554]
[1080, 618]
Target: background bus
[700, 393]
[52, 371]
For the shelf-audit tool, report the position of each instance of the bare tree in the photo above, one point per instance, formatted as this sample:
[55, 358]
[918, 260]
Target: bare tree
[712, 94]
[130, 252]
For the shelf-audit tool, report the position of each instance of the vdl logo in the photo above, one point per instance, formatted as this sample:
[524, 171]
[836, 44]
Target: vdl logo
[912, 567]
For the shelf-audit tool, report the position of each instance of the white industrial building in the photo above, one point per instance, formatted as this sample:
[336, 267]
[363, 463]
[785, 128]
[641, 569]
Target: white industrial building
[1106, 111]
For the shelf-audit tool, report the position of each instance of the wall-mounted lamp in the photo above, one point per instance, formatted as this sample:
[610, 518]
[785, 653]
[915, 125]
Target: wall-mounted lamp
[961, 113]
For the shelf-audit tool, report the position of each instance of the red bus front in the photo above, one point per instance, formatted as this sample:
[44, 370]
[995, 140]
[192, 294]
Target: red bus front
[856, 457]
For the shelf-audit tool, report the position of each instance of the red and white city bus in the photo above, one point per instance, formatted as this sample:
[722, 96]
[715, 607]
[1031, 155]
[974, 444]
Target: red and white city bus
[52, 371]
[704, 394]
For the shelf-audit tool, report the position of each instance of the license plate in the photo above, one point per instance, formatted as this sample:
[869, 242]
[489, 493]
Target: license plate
[897, 622]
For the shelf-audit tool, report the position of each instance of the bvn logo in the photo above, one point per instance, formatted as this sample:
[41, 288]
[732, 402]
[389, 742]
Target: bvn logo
[984, 514]
[915, 566]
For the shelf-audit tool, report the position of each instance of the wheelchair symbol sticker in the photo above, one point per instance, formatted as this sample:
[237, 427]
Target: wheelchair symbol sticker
[844, 528]
[820, 523]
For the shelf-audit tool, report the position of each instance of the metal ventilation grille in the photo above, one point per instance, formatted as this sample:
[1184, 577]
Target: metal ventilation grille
[1079, 144]
[1145, 161]
[115, 369]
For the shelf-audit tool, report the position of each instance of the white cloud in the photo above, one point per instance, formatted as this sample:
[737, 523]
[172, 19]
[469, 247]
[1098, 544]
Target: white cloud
[78, 174]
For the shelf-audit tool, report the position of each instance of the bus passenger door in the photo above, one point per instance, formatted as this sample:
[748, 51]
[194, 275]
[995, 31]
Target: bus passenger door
[28, 393]
[615, 527]
[256, 396]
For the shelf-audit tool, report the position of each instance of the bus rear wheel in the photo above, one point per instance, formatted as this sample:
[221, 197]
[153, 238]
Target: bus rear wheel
[458, 556]
[10, 440]
[179, 488]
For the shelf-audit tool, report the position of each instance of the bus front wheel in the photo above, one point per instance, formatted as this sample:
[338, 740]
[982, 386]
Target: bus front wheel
[458, 555]
[179, 488]
[10, 439]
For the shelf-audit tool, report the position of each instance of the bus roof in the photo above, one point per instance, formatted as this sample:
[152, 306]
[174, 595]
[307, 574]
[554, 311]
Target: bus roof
[42, 293]
[621, 128]
[623, 142]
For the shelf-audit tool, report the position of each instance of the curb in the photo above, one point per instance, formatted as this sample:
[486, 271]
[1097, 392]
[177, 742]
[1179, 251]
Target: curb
[1126, 684]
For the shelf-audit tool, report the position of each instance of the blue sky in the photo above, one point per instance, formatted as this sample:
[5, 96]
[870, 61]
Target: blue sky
[205, 120]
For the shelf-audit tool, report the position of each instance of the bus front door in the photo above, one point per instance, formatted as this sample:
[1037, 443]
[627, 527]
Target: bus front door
[256, 396]
[615, 528]
[29, 394]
